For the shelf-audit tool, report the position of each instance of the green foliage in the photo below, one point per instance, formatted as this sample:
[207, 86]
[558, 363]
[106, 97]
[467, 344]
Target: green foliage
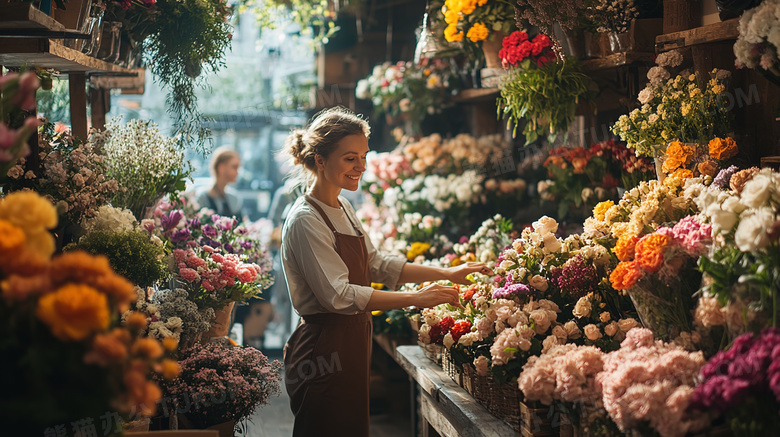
[392, 322]
[313, 16]
[131, 254]
[547, 97]
[181, 39]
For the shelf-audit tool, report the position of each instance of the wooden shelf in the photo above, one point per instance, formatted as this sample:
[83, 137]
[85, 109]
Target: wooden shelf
[49, 53]
[723, 31]
[24, 20]
[616, 60]
[476, 95]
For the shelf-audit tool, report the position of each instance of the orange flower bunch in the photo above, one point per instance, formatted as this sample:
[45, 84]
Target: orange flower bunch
[723, 148]
[677, 155]
[578, 157]
[79, 298]
[648, 257]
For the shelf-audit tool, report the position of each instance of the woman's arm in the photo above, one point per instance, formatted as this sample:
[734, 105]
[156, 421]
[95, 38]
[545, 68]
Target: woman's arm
[426, 297]
[417, 273]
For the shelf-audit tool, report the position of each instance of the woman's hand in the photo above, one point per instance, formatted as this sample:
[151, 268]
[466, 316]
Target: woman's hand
[458, 274]
[436, 294]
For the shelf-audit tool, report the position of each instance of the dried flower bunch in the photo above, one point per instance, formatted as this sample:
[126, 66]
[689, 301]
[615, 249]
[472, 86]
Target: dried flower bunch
[612, 15]
[73, 174]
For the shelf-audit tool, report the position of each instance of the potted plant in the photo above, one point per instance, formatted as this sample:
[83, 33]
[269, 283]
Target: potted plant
[539, 88]
[220, 384]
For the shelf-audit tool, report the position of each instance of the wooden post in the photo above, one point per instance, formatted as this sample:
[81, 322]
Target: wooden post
[78, 104]
[100, 104]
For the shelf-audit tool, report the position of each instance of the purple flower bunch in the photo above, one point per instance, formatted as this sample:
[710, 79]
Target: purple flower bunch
[723, 178]
[511, 290]
[219, 382]
[750, 368]
[577, 277]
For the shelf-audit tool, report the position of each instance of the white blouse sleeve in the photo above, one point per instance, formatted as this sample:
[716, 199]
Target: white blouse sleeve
[385, 269]
[313, 246]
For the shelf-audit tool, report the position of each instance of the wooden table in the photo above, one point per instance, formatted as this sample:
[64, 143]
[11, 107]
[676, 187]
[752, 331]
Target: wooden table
[445, 407]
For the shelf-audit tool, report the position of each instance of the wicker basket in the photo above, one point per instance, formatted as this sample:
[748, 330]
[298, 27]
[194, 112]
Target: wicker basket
[450, 368]
[432, 351]
[535, 421]
[477, 386]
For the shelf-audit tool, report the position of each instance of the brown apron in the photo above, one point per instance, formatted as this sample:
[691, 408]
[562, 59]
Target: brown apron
[327, 358]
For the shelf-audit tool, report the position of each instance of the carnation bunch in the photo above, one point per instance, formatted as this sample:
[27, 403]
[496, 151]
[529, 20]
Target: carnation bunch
[743, 384]
[518, 46]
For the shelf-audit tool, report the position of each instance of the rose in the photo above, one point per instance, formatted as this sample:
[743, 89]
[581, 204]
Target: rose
[481, 364]
[572, 330]
[752, 232]
[722, 221]
[560, 332]
[545, 225]
[539, 283]
[757, 191]
[582, 308]
[604, 317]
[541, 319]
[592, 332]
[611, 329]
[448, 341]
[626, 325]
[551, 243]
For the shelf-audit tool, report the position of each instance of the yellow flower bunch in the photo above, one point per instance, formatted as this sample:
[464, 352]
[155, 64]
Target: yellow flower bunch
[33, 215]
[416, 250]
[475, 19]
[600, 210]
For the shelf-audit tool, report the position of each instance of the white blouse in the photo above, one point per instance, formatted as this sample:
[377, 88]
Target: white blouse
[317, 278]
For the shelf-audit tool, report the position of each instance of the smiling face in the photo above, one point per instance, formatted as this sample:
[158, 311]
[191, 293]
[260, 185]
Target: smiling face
[346, 164]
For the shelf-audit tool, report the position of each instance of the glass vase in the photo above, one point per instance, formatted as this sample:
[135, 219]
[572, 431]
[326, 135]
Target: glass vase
[110, 41]
[663, 302]
[92, 26]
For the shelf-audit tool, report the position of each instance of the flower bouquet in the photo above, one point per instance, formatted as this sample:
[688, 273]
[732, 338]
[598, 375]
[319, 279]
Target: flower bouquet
[67, 360]
[657, 273]
[676, 109]
[624, 164]
[757, 46]
[741, 272]
[146, 164]
[220, 383]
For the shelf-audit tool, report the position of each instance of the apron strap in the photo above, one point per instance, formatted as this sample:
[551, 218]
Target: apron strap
[322, 213]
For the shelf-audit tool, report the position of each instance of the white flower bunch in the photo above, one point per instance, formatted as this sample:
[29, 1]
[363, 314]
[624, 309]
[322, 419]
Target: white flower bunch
[110, 219]
[759, 37]
[146, 163]
[744, 218]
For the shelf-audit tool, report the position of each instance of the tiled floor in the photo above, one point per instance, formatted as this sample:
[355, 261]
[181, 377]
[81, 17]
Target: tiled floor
[276, 419]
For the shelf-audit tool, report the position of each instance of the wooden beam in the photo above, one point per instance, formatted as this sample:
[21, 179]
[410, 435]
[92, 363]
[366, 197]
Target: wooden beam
[78, 104]
[723, 31]
[100, 104]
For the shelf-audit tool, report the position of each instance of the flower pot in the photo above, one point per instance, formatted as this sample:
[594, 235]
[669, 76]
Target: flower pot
[194, 421]
[490, 49]
[220, 327]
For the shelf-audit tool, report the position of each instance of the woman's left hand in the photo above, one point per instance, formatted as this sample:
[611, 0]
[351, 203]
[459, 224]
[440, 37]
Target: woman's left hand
[459, 273]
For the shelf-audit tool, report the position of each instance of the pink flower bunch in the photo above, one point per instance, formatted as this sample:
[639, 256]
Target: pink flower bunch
[694, 236]
[213, 270]
[389, 168]
[566, 372]
[509, 342]
[651, 382]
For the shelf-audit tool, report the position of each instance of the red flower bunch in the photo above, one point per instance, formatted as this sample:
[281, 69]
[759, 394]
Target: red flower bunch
[439, 330]
[459, 329]
[517, 47]
[469, 293]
